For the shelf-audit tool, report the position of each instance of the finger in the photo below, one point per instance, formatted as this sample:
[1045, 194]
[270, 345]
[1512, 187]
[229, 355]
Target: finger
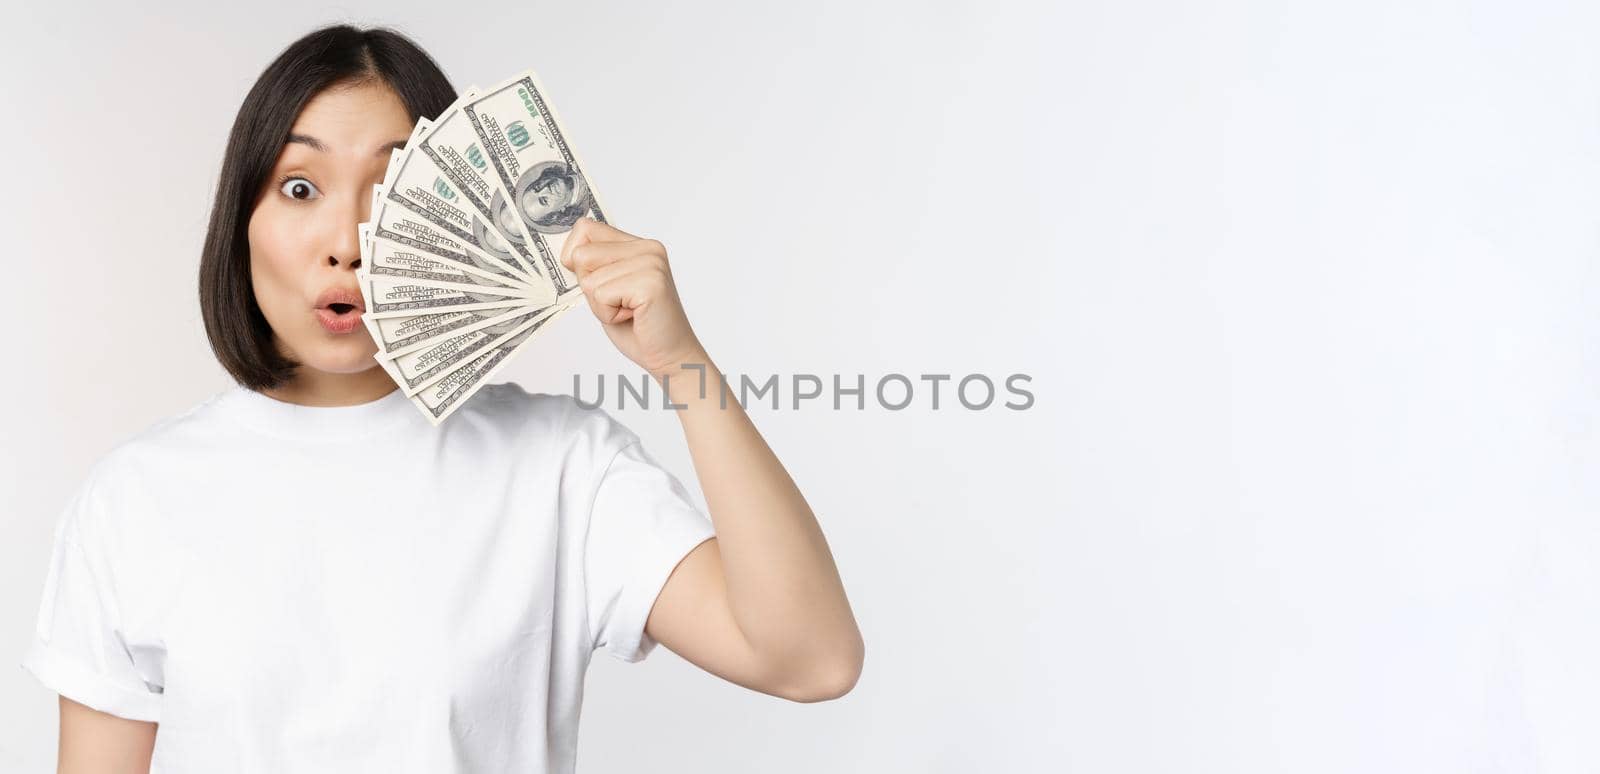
[601, 232]
[605, 275]
[572, 242]
[589, 257]
[620, 298]
[611, 270]
[587, 230]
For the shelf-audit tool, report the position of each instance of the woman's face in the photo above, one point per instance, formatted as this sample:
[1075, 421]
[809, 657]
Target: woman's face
[303, 230]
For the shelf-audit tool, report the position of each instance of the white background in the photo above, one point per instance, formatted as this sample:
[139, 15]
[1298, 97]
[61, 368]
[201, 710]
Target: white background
[1307, 292]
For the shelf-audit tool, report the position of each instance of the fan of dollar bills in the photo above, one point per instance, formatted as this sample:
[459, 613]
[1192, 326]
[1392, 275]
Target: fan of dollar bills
[460, 259]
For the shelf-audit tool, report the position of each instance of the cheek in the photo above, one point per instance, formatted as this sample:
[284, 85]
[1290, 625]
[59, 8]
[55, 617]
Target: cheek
[276, 250]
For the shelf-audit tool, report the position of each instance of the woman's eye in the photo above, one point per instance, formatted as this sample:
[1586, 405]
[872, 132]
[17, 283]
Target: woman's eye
[299, 188]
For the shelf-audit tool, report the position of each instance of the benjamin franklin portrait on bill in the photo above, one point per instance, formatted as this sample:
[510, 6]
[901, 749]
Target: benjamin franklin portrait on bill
[551, 197]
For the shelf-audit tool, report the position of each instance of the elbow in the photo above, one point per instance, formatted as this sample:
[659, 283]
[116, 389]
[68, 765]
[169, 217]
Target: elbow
[830, 678]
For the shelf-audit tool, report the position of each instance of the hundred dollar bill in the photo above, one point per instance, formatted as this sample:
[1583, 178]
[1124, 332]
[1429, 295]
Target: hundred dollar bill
[443, 395]
[534, 167]
[391, 297]
[414, 182]
[411, 333]
[476, 291]
[419, 367]
[453, 148]
[461, 265]
[401, 225]
[391, 259]
[397, 335]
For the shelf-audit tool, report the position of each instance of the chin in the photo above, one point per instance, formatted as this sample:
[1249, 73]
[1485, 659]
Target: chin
[347, 355]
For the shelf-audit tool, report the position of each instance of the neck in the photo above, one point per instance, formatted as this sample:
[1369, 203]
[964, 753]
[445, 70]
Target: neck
[311, 387]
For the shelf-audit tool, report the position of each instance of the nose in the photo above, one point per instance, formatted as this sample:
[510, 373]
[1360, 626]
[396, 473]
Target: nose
[345, 247]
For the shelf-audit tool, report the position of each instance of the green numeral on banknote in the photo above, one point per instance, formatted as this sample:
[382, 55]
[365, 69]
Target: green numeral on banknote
[517, 134]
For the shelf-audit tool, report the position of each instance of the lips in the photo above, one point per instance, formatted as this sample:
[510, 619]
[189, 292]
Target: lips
[341, 297]
[340, 309]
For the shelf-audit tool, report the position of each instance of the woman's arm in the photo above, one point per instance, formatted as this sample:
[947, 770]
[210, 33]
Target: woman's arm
[95, 742]
[761, 604]
[768, 572]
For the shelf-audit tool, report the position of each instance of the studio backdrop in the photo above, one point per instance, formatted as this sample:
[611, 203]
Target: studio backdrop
[1181, 387]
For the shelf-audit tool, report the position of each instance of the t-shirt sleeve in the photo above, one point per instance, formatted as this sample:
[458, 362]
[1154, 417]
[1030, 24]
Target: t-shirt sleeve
[77, 649]
[641, 525]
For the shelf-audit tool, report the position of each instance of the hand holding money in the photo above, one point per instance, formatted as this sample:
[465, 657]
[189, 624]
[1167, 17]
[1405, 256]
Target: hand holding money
[629, 287]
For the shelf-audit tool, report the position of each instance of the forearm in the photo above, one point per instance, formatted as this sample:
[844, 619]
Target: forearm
[784, 589]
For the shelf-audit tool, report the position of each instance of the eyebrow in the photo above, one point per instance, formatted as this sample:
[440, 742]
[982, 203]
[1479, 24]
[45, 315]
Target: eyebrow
[319, 146]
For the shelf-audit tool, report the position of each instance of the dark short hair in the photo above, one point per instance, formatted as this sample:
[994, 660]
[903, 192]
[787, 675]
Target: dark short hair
[334, 55]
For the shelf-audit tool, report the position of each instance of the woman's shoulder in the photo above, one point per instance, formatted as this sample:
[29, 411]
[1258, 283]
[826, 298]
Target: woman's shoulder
[115, 487]
[176, 434]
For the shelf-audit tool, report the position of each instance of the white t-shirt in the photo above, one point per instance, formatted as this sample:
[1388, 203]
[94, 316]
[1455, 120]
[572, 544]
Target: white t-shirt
[287, 588]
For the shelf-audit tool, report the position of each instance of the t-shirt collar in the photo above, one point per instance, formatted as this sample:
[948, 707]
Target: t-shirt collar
[316, 423]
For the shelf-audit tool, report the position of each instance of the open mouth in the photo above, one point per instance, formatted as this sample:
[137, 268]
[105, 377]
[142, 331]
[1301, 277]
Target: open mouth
[340, 308]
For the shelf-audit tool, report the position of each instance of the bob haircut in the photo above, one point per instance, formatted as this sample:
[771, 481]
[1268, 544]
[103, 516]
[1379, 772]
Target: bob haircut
[331, 56]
